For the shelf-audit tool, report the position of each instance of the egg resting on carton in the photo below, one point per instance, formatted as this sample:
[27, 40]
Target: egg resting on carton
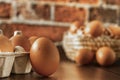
[5, 44]
[19, 49]
[6, 56]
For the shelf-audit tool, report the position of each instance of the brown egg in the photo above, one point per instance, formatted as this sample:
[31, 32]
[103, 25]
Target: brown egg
[80, 31]
[32, 39]
[105, 56]
[84, 56]
[94, 29]
[74, 27]
[5, 44]
[20, 40]
[44, 56]
[114, 31]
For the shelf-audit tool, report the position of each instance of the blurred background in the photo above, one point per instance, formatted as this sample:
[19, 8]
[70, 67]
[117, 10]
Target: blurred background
[51, 18]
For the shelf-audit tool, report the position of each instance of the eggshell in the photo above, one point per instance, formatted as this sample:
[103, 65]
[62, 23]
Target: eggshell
[114, 31]
[20, 40]
[105, 56]
[94, 29]
[32, 39]
[5, 44]
[84, 56]
[44, 56]
[19, 49]
[74, 27]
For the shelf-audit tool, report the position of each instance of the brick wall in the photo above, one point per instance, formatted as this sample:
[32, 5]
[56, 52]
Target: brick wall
[53, 32]
[51, 18]
[5, 10]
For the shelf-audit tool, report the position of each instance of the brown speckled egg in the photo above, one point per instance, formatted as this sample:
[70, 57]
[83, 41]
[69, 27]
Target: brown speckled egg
[44, 56]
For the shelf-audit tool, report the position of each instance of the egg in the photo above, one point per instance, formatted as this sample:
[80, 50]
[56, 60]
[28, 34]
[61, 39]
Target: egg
[19, 49]
[94, 29]
[32, 39]
[80, 31]
[74, 27]
[44, 56]
[105, 56]
[5, 44]
[20, 40]
[84, 56]
[114, 31]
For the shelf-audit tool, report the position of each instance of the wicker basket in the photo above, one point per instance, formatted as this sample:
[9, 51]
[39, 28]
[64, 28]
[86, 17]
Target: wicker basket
[72, 43]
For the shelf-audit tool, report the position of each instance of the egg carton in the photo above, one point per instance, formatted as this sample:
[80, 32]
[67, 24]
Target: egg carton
[14, 62]
[6, 63]
[22, 63]
[73, 42]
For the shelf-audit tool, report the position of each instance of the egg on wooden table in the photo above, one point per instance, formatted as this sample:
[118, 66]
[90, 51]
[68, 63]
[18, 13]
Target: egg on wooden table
[105, 56]
[44, 56]
[84, 56]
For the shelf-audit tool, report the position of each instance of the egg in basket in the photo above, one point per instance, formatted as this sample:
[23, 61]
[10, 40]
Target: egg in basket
[91, 37]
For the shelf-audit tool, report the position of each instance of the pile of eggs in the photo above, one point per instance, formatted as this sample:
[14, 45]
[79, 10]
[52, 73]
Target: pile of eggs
[44, 55]
[105, 56]
[94, 29]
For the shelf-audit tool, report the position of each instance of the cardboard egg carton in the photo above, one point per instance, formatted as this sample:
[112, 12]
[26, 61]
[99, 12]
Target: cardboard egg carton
[14, 62]
[6, 63]
[22, 63]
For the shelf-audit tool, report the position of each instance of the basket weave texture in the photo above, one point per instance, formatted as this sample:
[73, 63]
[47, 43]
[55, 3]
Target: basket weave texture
[73, 42]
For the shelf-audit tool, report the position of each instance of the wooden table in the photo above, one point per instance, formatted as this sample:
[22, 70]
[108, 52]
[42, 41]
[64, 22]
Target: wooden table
[70, 71]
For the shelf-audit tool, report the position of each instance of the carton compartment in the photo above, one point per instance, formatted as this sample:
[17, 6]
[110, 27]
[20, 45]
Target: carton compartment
[22, 64]
[6, 63]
